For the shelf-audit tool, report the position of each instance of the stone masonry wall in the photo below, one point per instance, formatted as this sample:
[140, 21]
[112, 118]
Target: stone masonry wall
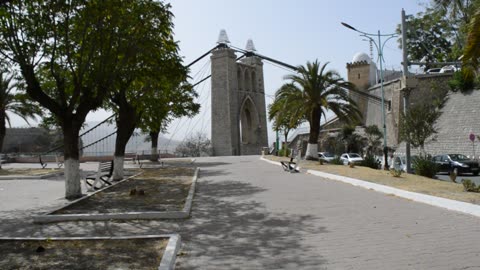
[223, 85]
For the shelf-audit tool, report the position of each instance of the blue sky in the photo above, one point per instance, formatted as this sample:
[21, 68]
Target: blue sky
[291, 31]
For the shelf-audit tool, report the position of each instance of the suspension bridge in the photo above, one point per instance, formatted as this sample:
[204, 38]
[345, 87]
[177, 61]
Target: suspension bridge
[97, 141]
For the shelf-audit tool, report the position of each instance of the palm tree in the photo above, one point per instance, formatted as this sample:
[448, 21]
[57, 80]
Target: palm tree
[313, 92]
[13, 102]
[472, 48]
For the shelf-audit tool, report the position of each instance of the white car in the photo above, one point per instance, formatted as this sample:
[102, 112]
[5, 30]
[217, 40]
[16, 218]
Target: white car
[325, 156]
[349, 158]
[448, 69]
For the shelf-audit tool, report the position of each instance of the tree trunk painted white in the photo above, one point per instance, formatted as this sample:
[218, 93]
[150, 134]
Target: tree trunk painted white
[73, 189]
[154, 151]
[154, 154]
[118, 162]
[312, 151]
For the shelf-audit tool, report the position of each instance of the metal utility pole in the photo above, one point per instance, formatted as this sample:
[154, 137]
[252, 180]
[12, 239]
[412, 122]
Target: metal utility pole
[406, 96]
[379, 47]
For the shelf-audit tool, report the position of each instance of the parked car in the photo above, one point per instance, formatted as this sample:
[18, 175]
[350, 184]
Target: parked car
[325, 156]
[433, 71]
[456, 163]
[349, 158]
[401, 162]
[448, 69]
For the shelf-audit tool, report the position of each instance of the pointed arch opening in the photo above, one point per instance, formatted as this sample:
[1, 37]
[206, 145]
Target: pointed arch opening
[249, 122]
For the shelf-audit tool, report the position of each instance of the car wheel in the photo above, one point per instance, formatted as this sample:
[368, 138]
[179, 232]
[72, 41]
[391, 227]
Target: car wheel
[475, 174]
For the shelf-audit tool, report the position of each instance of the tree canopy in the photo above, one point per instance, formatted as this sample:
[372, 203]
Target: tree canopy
[312, 92]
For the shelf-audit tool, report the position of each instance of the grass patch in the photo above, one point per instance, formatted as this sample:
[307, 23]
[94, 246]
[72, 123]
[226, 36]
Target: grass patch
[409, 182]
[164, 189]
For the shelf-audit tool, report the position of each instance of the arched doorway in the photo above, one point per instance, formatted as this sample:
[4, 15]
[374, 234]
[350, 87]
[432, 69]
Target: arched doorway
[248, 122]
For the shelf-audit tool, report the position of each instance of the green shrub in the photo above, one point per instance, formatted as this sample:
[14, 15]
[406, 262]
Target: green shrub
[281, 152]
[470, 186]
[462, 80]
[395, 173]
[336, 161]
[371, 162]
[424, 166]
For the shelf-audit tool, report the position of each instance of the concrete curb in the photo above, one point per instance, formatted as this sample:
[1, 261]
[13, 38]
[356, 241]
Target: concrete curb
[170, 254]
[463, 207]
[30, 177]
[185, 213]
[168, 258]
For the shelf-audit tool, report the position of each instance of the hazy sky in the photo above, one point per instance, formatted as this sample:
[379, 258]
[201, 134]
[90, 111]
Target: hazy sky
[291, 31]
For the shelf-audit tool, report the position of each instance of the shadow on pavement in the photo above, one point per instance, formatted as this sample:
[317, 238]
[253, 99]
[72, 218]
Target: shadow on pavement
[227, 230]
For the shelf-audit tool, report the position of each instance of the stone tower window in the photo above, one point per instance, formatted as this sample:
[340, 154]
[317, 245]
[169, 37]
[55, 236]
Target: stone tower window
[247, 82]
[240, 79]
[359, 75]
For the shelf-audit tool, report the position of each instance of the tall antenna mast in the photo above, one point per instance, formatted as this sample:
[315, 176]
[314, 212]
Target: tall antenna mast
[371, 50]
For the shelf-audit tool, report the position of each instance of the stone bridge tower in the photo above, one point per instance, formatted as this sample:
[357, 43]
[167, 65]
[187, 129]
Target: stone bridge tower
[239, 119]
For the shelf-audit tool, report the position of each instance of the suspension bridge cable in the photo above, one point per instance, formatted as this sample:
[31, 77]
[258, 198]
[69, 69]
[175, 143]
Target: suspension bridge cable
[203, 71]
[99, 140]
[81, 135]
[203, 55]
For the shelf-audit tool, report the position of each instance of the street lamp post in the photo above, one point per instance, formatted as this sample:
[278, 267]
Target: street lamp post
[379, 47]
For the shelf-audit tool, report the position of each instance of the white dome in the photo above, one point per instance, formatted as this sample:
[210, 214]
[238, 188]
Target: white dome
[359, 57]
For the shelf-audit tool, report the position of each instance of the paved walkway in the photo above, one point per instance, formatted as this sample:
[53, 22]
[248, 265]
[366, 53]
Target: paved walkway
[249, 214]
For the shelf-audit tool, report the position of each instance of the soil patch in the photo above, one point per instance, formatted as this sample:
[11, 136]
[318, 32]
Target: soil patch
[155, 190]
[409, 182]
[28, 172]
[82, 254]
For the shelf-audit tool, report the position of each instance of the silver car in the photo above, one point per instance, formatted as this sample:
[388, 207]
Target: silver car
[325, 156]
[351, 158]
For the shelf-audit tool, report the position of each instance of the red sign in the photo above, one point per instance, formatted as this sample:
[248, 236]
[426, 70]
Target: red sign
[472, 137]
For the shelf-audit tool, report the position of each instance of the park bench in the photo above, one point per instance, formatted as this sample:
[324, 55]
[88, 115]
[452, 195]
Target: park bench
[292, 165]
[101, 178]
[57, 160]
[43, 164]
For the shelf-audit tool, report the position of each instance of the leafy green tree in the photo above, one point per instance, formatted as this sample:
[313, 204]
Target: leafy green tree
[69, 54]
[285, 118]
[314, 91]
[373, 137]
[14, 101]
[429, 37]
[151, 79]
[417, 126]
[177, 102]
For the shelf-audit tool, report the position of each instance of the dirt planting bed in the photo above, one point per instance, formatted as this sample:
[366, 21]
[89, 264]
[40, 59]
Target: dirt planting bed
[155, 190]
[140, 253]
